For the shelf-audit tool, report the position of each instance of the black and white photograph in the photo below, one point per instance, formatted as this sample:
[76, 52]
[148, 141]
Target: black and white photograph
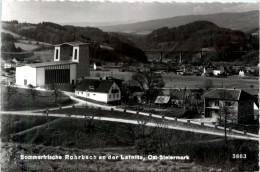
[129, 86]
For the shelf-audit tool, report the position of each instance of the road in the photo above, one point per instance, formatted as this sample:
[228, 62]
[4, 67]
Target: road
[135, 122]
[234, 135]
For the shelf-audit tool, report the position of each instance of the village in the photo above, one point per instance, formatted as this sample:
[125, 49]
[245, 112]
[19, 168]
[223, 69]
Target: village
[148, 87]
[70, 97]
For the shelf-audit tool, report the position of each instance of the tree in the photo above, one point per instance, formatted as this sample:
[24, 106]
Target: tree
[226, 108]
[150, 83]
[10, 90]
[195, 100]
[33, 92]
[19, 49]
[55, 92]
[125, 93]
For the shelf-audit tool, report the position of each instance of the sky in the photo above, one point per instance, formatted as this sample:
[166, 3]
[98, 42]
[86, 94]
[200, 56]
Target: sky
[107, 11]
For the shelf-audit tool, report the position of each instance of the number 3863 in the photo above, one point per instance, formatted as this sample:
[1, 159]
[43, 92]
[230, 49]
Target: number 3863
[239, 156]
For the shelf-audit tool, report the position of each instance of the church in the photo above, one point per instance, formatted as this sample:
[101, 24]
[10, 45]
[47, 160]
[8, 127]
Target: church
[71, 61]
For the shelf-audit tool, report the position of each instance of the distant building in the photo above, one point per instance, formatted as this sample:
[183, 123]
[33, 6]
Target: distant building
[241, 73]
[71, 61]
[9, 65]
[17, 61]
[98, 66]
[239, 103]
[208, 70]
[216, 72]
[105, 91]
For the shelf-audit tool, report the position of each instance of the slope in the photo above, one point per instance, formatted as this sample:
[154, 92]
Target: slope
[239, 21]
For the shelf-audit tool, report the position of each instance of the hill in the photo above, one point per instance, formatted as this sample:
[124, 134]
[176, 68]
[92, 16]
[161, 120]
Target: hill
[121, 49]
[239, 21]
[192, 36]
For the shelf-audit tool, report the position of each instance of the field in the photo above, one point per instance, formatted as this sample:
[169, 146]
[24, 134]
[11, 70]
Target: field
[25, 46]
[12, 33]
[179, 81]
[35, 42]
[63, 137]
[44, 55]
[22, 99]
[10, 151]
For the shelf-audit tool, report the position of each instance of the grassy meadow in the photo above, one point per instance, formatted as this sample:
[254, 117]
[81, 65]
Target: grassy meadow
[172, 80]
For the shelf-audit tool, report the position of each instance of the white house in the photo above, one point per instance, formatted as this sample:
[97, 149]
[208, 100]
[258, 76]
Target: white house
[71, 61]
[106, 91]
[216, 72]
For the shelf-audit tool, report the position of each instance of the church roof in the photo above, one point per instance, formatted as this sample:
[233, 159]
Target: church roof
[74, 43]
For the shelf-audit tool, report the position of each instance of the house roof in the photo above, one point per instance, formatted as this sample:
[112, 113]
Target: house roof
[162, 99]
[74, 43]
[35, 65]
[228, 94]
[93, 85]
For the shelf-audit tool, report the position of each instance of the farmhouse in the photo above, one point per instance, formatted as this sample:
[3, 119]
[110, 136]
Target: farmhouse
[71, 61]
[237, 103]
[101, 90]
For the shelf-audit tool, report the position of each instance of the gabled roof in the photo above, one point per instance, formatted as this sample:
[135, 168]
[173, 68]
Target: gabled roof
[162, 99]
[228, 94]
[75, 43]
[93, 85]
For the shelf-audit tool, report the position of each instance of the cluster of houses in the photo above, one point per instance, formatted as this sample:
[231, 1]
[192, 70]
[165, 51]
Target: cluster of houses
[71, 67]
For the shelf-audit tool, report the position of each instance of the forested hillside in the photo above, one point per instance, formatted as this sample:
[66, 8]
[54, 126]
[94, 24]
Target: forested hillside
[8, 43]
[123, 47]
[53, 33]
[192, 36]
